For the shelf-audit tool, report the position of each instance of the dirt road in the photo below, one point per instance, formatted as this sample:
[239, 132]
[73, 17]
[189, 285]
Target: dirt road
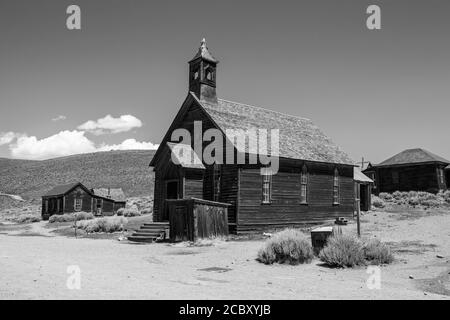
[35, 266]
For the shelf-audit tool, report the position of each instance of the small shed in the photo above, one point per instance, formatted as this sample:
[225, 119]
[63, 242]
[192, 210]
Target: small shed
[363, 189]
[107, 200]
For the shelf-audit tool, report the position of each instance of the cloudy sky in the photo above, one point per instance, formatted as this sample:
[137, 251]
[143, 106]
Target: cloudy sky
[118, 82]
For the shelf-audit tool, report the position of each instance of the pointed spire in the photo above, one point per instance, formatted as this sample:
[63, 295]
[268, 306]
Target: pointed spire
[203, 52]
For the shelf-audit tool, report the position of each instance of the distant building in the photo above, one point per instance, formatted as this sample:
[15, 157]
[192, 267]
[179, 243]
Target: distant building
[363, 189]
[76, 197]
[410, 170]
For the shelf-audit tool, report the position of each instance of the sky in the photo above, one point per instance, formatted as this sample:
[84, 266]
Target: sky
[119, 81]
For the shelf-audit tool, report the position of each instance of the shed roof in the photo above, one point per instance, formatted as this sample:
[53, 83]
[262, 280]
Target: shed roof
[299, 138]
[62, 189]
[116, 194]
[412, 156]
[358, 176]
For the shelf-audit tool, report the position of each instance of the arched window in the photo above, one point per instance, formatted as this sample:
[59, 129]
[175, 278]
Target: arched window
[304, 185]
[336, 187]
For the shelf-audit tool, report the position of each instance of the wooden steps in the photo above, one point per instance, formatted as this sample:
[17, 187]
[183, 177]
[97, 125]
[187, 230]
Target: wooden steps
[150, 232]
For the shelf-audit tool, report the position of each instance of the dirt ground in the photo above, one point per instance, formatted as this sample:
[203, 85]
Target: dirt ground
[34, 263]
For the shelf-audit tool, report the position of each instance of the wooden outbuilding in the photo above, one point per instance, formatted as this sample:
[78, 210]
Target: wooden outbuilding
[410, 170]
[314, 182]
[76, 197]
[363, 189]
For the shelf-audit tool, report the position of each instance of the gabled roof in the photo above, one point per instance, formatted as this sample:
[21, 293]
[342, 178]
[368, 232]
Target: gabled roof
[114, 194]
[63, 189]
[358, 176]
[412, 156]
[299, 138]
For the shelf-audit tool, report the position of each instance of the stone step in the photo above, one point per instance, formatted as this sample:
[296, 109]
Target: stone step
[148, 234]
[154, 228]
[141, 239]
[157, 224]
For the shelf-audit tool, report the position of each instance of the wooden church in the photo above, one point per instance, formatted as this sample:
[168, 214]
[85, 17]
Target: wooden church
[314, 181]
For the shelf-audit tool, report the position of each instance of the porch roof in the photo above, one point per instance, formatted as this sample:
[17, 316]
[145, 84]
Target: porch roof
[185, 156]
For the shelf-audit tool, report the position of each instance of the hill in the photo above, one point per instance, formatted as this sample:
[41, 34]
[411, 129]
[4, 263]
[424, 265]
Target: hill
[128, 170]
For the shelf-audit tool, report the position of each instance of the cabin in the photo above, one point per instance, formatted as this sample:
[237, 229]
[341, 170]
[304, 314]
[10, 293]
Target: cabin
[75, 197]
[410, 170]
[312, 184]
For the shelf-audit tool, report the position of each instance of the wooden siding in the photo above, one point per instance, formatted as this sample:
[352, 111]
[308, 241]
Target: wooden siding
[410, 178]
[285, 207]
[192, 219]
[77, 193]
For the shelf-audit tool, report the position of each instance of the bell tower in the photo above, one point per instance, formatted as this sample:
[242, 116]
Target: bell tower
[202, 75]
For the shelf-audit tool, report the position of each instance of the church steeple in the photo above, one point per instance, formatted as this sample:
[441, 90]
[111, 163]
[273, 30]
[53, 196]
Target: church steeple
[202, 74]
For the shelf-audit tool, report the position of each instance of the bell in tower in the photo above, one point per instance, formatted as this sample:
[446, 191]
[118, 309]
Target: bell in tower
[202, 75]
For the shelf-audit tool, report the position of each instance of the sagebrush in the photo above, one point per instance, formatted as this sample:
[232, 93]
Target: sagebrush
[376, 252]
[412, 199]
[344, 250]
[288, 246]
[105, 224]
[70, 217]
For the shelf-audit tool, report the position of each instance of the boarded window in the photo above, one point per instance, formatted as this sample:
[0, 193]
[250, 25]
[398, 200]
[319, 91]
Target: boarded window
[217, 178]
[266, 186]
[336, 187]
[78, 204]
[304, 185]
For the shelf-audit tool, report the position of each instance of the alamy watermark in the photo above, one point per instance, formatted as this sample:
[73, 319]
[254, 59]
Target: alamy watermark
[261, 146]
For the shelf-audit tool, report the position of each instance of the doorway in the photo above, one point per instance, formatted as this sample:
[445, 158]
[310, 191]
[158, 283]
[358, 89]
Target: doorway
[172, 192]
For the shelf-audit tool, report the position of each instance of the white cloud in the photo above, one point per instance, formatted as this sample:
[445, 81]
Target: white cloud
[110, 124]
[67, 143]
[129, 144]
[7, 137]
[61, 144]
[59, 118]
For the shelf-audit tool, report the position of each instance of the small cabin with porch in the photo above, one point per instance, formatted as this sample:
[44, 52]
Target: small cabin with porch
[76, 197]
[314, 181]
[410, 170]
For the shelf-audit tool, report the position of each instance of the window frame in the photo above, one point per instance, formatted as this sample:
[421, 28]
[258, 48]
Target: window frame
[304, 183]
[336, 188]
[75, 204]
[266, 179]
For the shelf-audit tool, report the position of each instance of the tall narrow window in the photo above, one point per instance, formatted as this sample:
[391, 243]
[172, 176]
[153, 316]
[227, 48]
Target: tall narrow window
[304, 185]
[266, 186]
[336, 187]
[46, 206]
[78, 204]
[217, 178]
[441, 175]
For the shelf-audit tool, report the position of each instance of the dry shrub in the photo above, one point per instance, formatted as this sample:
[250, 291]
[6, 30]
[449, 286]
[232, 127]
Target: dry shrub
[378, 202]
[132, 211]
[288, 246]
[376, 252]
[342, 251]
[105, 224]
[349, 251]
[69, 217]
[27, 218]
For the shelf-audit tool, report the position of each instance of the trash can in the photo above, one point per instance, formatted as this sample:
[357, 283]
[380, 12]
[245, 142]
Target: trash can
[319, 238]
